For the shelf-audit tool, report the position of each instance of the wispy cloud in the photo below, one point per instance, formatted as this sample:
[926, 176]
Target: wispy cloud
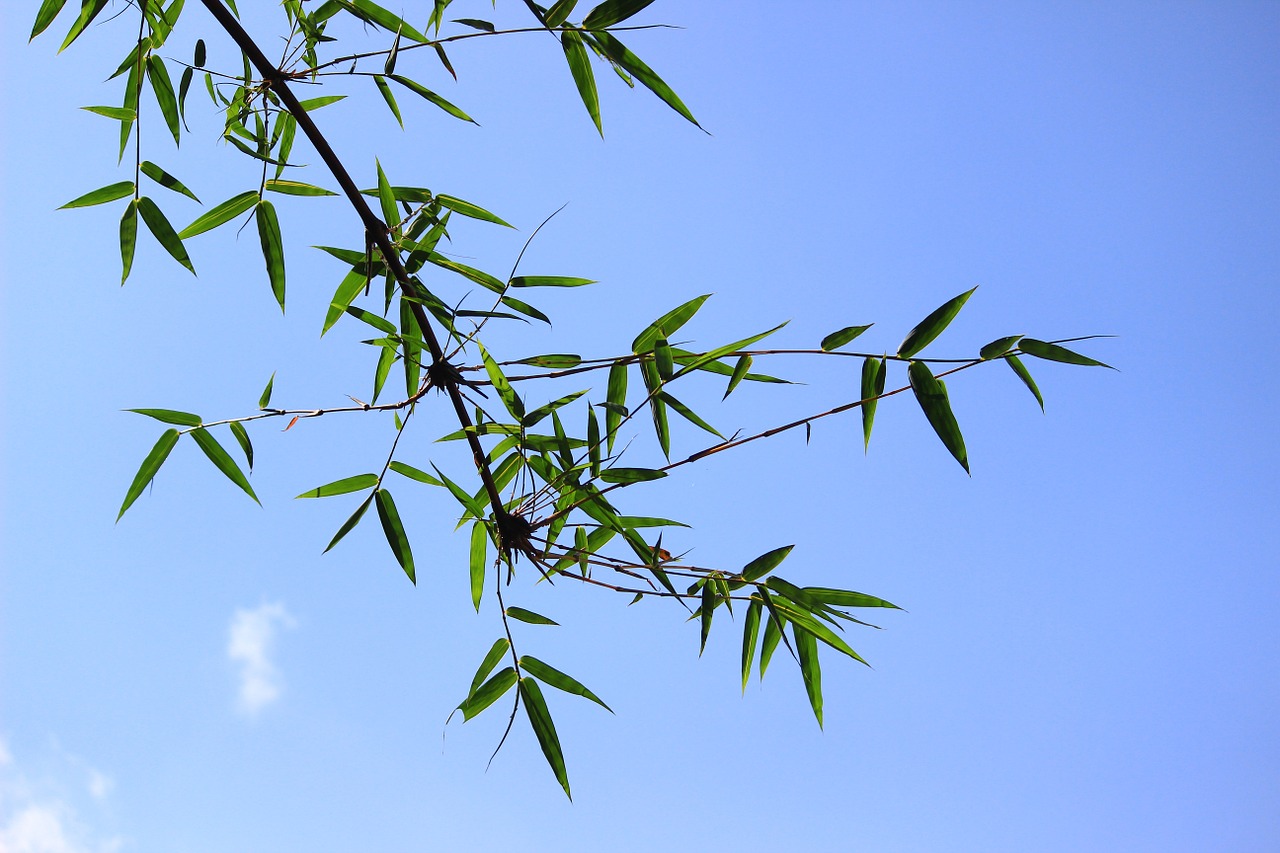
[250, 641]
[37, 818]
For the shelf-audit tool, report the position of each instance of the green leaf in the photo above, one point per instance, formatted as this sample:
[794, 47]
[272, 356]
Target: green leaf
[295, 188]
[369, 11]
[160, 228]
[772, 634]
[706, 611]
[479, 556]
[466, 208]
[387, 199]
[667, 325]
[617, 401]
[549, 281]
[807, 652]
[118, 113]
[558, 13]
[169, 416]
[765, 563]
[344, 486]
[128, 238]
[472, 506]
[541, 412]
[348, 289]
[874, 371]
[687, 413]
[750, 635]
[311, 104]
[148, 469]
[265, 399]
[500, 384]
[847, 598]
[528, 616]
[225, 212]
[835, 340]
[242, 437]
[414, 474]
[548, 674]
[488, 693]
[495, 653]
[555, 360]
[165, 97]
[1025, 375]
[998, 347]
[933, 325]
[535, 707]
[272, 248]
[662, 359]
[89, 10]
[1053, 352]
[932, 396]
[222, 460]
[475, 24]
[164, 179]
[431, 96]
[394, 531]
[101, 195]
[349, 524]
[631, 475]
[739, 371]
[390, 98]
[618, 53]
[49, 10]
[583, 77]
[612, 12]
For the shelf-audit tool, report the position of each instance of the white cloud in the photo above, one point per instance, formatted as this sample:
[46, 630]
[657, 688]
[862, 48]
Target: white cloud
[34, 816]
[251, 637]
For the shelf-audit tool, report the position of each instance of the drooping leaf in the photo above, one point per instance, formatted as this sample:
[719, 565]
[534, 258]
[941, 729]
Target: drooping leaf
[49, 10]
[835, 340]
[506, 393]
[1053, 352]
[147, 471]
[706, 611]
[101, 195]
[242, 438]
[89, 10]
[687, 413]
[549, 281]
[873, 376]
[631, 475]
[160, 228]
[222, 460]
[488, 693]
[750, 635]
[933, 325]
[350, 523]
[1025, 375]
[466, 208]
[128, 239]
[162, 86]
[810, 670]
[932, 396]
[772, 635]
[164, 179]
[367, 10]
[348, 289]
[583, 77]
[548, 674]
[389, 97]
[617, 401]
[479, 555]
[535, 707]
[225, 212]
[344, 486]
[632, 64]
[419, 89]
[739, 371]
[394, 530]
[491, 658]
[272, 248]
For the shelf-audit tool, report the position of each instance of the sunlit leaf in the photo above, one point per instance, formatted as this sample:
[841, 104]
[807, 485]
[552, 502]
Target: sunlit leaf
[933, 325]
[750, 635]
[835, 340]
[148, 469]
[350, 523]
[128, 238]
[633, 65]
[488, 693]
[390, 98]
[667, 325]
[101, 195]
[765, 563]
[612, 12]
[495, 653]
[49, 10]
[807, 652]
[932, 396]
[431, 96]
[479, 555]
[548, 674]
[222, 460]
[242, 438]
[160, 228]
[847, 598]
[1025, 375]
[162, 86]
[295, 188]
[583, 77]
[631, 475]
[265, 399]
[394, 530]
[272, 248]
[164, 179]
[169, 416]
[535, 707]
[344, 486]
[874, 371]
[466, 208]
[617, 400]
[225, 212]
[998, 347]
[500, 384]
[1053, 352]
[549, 281]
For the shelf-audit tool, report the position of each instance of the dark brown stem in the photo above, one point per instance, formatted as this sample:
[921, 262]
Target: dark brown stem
[277, 80]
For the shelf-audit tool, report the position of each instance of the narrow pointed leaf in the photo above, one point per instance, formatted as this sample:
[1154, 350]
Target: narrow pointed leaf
[162, 86]
[164, 179]
[394, 530]
[225, 212]
[633, 65]
[847, 598]
[807, 652]
[431, 96]
[873, 375]
[128, 239]
[612, 12]
[101, 195]
[488, 693]
[617, 399]
[548, 674]
[479, 555]
[296, 188]
[535, 707]
[89, 10]
[349, 524]
[835, 340]
[222, 460]
[932, 396]
[549, 281]
[1020, 369]
[415, 474]
[265, 399]
[688, 414]
[998, 347]
[631, 475]
[272, 248]
[583, 77]
[242, 438]
[344, 486]
[739, 371]
[667, 325]
[495, 653]
[765, 563]
[49, 10]
[506, 393]
[170, 416]
[750, 636]
[772, 635]
[558, 13]
[466, 208]
[147, 471]
[390, 98]
[160, 228]
[933, 325]
[1053, 352]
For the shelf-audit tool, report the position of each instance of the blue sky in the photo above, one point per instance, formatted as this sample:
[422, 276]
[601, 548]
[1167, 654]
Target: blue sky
[1087, 657]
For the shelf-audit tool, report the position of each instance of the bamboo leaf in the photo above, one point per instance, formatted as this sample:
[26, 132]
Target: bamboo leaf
[390, 98]
[295, 188]
[548, 674]
[706, 611]
[998, 347]
[89, 10]
[265, 399]
[1020, 369]
[535, 708]
[49, 10]
[479, 555]
[160, 228]
[162, 86]
[835, 340]
[164, 179]
[225, 212]
[933, 325]
[101, 195]
[242, 438]
[272, 248]
[350, 523]
[466, 208]
[147, 471]
[1053, 352]
[170, 416]
[932, 396]
[807, 652]
[667, 325]
[549, 281]
[495, 653]
[847, 598]
[612, 12]
[772, 635]
[532, 418]
[506, 393]
[348, 289]
[128, 239]
[558, 13]
[631, 475]
[632, 64]
[488, 693]
[688, 414]
[750, 636]
[344, 486]
[367, 10]
[118, 113]
[394, 531]
[765, 563]
[583, 77]
[873, 376]
[222, 460]
[419, 89]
